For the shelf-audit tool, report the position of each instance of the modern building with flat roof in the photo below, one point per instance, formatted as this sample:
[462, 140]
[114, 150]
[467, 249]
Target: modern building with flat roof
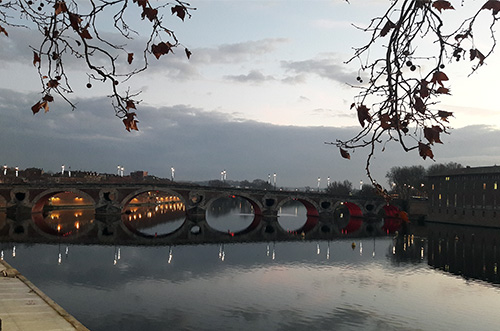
[467, 196]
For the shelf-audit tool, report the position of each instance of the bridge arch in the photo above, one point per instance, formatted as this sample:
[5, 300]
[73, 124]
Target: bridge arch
[41, 199]
[256, 207]
[126, 200]
[312, 207]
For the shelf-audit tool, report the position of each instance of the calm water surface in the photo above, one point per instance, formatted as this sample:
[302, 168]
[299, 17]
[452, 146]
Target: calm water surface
[438, 281]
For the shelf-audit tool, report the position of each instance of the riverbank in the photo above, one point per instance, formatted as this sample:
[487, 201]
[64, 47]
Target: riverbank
[23, 307]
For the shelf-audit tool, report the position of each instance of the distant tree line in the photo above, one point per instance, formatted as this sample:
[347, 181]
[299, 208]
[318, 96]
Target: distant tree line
[404, 182]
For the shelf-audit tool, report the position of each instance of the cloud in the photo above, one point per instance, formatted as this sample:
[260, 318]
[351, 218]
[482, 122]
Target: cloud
[326, 67]
[253, 76]
[236, 52]
[200, 143]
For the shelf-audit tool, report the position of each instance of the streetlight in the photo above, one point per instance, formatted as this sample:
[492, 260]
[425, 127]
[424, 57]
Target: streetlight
[17, 171]
[172, 173]
[118, 170]
[328, 182]
[319, 181]
[62, 169]
[122, 169]
[274, 180]
[223, 175]
[360, 184]
[5, 170]
[269, 179]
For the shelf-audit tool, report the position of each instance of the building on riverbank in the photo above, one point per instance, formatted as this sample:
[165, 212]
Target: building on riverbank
[468, 196]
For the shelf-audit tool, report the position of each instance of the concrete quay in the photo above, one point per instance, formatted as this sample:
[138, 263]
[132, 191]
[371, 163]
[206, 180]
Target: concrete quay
[23, 307]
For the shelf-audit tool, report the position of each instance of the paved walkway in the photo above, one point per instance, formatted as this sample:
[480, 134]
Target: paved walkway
[23, 307]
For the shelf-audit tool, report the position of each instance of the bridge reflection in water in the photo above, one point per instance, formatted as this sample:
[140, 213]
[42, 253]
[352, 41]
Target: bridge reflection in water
[156, 218]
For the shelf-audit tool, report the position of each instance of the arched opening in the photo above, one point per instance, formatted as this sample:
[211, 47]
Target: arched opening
[297, 215]
[154, 213]
[348, 217]
[233, 214]
[64, 213]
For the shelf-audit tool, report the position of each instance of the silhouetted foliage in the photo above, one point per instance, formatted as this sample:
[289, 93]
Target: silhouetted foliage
[339, 188]
[76, 29]
[406, 181]
[403, 70]
[442, 168]
[367, 191]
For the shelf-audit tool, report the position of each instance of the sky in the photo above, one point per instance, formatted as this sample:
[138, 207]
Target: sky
[265, 87]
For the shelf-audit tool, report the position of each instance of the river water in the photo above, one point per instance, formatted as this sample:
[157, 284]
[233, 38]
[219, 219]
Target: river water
[435, 277]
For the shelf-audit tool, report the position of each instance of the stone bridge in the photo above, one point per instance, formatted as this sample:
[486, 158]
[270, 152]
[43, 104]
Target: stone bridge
[327, 215]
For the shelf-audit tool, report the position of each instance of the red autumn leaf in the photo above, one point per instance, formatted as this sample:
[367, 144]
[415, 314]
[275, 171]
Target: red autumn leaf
[36, 107]
[419, 105]
[130, 122]
[188, 53]
[141, 3]
[425, 151]
[432, 134]
[39, 105]
[439, 77]
[130, 58]
[161, 49]
[444, 115]
[74, 20]
[180, 11]
[387, 27]
[363, 115]
[2, 30]
[150, 13]
[424, 90]
[345, 154]
[443, 90]
[60, 7]
[494, 5]
[385, 121]
[475, 53]
[442, 4]
[85, 34]
[48, 98]
[36, 59]
[130, 104]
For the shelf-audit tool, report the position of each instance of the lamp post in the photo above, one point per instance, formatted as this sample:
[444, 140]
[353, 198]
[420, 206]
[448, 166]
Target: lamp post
[360, 184]
[328, 182]
[62, 169]
[5, 170]
[17, 171]
[122, 169]
[172, 173]
[118, 170]
[274, 180]
[319, 182]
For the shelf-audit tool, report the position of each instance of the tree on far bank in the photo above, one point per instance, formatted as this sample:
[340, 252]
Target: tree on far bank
[340, 188]
[406, 181]
[442, 167]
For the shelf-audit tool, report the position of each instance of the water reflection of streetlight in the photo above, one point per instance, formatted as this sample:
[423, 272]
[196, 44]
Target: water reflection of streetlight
[169, 255]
